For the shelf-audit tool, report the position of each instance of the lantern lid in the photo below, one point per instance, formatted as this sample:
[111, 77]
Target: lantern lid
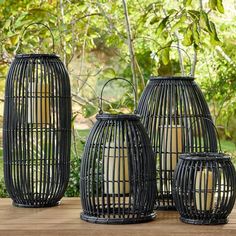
[33, 55]
[155, 78]
[107, 116]
[204, 156]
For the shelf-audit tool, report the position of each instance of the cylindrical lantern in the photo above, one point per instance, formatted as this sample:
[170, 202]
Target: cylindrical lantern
[177, 119]
[37, 130]
[204, 188]
[118, 176]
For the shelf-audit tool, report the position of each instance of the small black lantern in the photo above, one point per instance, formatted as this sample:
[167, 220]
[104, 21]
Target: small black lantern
[177, 119]
[204, 188]
[37, 130]
[118, 179]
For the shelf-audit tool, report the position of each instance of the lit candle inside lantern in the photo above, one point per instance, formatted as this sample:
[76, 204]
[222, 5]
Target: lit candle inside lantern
[204, 184]
[38, 103]
[116, 169]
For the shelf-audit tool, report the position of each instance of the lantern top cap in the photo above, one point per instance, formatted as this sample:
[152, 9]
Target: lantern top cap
[106, 116]
[33, 55]
[204, 156]
[155, 78]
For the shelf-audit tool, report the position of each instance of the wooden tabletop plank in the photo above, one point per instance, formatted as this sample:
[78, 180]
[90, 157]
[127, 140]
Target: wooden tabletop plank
[65, 220]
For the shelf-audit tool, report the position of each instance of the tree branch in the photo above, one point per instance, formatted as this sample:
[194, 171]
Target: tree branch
[88, 15]
[83, 54]
[140, 72]
[193, 67]
[224, 55]
[131, 48]
[63, 41]
[80, 100]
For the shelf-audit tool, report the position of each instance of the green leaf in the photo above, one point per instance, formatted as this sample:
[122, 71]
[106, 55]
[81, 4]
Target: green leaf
[204, 21]
[212, 4]
[187, 2]
[213, 36]
[179, 23]
[194, 14]
[109, 72]
[154, 20]
[220, 6]
[172, 12]
[196, 36]
[7, 24]
[188, 37]
[162, 25]
[21, 21]
[165, 56]
[14, 39]
[89, 110]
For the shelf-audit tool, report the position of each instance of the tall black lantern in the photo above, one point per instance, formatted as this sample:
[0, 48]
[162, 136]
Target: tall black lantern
[37, 130]
[118, 177]
[204, 188]
[177, 119]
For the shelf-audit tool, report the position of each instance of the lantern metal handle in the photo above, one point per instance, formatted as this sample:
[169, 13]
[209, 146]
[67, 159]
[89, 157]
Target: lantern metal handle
[179, 48]
[117, 78]
[36, 23]
[217, 133]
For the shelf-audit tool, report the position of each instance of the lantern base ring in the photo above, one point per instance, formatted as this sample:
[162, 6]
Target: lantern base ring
[35, 206]
[204, 221]
[97, 220]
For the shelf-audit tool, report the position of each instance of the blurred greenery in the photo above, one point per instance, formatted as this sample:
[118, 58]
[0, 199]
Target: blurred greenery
[77, 151]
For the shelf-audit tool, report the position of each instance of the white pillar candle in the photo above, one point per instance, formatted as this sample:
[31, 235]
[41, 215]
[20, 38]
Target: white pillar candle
[171, 148]
[116, 169]
[38, 103]
[203, 187]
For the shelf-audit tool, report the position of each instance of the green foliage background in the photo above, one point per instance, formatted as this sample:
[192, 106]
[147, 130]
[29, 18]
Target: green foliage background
[91, 38]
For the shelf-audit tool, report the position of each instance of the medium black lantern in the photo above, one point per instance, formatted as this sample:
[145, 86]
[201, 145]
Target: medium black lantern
[204, 188]
[118, 179]
[37, 130]
[174, 111]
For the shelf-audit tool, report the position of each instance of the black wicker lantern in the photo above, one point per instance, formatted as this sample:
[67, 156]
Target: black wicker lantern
[173, 111]
[37, 130]
[204, 188]
[118, 179]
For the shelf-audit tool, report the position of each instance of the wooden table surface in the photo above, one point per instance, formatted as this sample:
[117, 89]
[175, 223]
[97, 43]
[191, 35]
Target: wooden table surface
[65, 220]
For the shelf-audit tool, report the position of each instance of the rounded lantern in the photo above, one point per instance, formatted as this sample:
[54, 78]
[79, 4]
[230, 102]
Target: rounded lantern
[118, 179]
[204, 188]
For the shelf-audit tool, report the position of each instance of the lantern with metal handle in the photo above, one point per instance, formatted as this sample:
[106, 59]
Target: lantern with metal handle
[204, 187]
[37, 129]
[172, 110]
[117, 179]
